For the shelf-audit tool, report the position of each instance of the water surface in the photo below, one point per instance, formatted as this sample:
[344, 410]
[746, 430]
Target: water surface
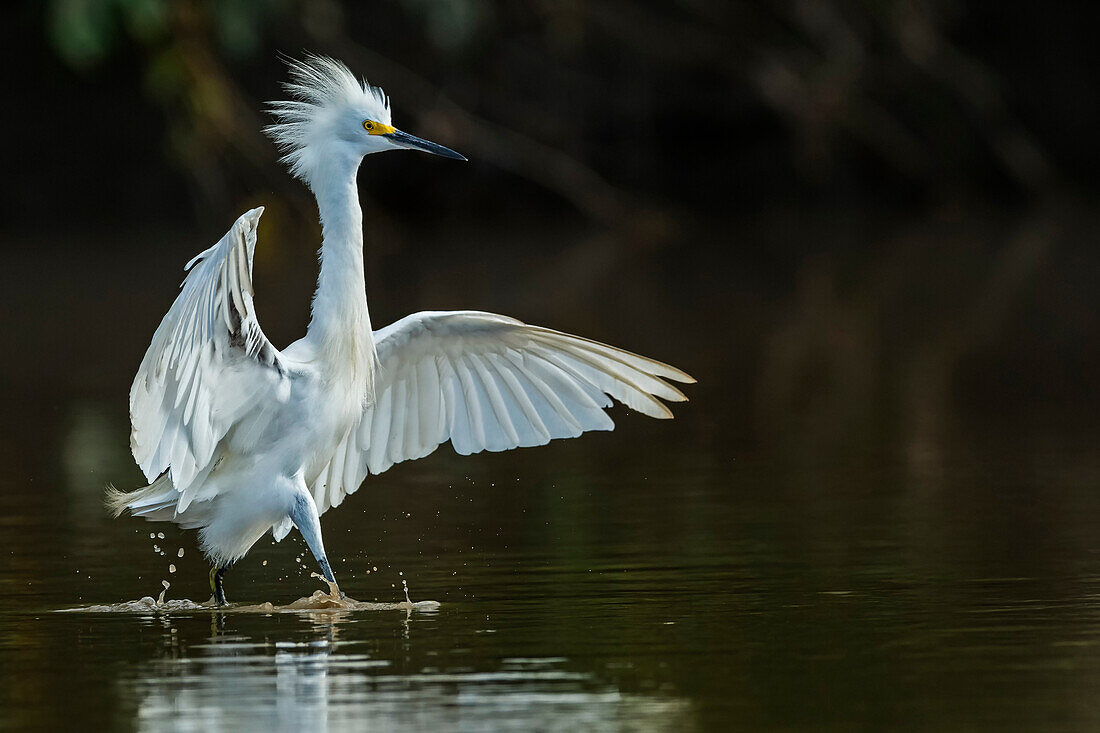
[846, 549]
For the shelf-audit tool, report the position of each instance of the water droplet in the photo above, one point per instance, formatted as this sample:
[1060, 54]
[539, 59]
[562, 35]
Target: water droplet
[160, 535]
[180, 553]
[171, 568]
[152, 535]
[265, 562]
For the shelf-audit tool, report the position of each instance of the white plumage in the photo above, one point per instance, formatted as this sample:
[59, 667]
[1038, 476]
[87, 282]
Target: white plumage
[238, 438]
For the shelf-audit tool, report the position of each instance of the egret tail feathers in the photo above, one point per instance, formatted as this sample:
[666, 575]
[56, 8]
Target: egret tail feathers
[157, 501]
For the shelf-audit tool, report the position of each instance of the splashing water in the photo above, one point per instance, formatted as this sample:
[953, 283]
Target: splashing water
[333, 601]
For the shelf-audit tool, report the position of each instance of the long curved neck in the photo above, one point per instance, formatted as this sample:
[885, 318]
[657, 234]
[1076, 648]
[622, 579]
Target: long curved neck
[340, 325]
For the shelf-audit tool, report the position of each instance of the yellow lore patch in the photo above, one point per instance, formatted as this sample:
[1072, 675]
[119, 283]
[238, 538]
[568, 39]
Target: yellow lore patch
[377, 128]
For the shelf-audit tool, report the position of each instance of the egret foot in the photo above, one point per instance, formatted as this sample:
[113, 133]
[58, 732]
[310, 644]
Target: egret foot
[217, 585]
[333, 588]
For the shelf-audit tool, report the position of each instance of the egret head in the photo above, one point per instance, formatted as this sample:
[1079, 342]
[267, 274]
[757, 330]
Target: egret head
[333, 119]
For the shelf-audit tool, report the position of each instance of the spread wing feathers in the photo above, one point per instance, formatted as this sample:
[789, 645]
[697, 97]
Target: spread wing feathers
[487, 382]
[207, 365]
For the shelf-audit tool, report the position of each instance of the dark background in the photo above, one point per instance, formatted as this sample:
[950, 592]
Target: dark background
[687, 108]
[867, 207]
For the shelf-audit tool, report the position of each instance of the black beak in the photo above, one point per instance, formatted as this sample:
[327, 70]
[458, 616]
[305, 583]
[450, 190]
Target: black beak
[405, 140]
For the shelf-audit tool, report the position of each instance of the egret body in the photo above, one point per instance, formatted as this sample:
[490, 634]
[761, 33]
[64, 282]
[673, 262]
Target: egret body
[238, 438]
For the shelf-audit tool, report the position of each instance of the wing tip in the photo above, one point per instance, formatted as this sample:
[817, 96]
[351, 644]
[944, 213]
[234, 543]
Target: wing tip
[248, 222]
[679, 375]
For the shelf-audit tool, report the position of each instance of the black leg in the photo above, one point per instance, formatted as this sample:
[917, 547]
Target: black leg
[217, 585]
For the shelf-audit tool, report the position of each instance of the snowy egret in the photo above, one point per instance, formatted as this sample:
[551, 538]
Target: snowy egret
[238, 438]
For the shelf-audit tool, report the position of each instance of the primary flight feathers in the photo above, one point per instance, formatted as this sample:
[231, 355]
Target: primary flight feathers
[486, 382]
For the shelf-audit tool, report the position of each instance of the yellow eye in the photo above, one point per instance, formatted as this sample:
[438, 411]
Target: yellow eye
[377, 128]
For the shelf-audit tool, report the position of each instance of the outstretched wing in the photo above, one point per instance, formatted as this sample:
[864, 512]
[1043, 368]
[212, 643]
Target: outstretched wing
[207, 365]
[487, 382]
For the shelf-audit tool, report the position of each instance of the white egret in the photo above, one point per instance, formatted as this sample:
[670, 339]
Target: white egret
[238, 438]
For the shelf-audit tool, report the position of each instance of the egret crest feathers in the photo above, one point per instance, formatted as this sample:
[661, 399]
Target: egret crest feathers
[324, 92]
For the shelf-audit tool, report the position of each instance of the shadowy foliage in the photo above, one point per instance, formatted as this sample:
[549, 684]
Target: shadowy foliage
[635, 114]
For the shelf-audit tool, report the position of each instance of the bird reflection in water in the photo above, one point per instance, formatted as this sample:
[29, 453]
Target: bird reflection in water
[243, 681]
